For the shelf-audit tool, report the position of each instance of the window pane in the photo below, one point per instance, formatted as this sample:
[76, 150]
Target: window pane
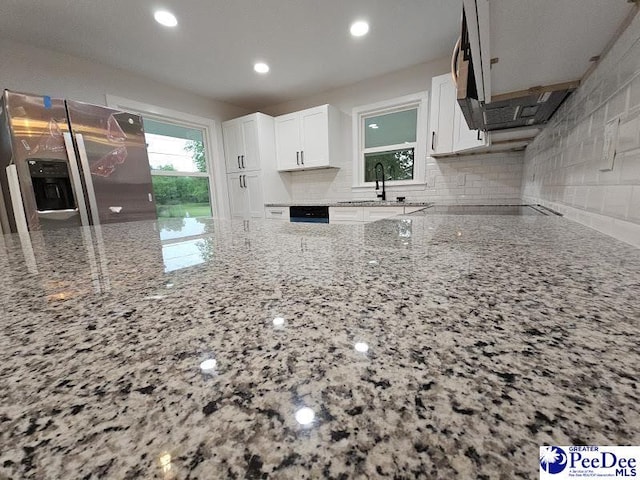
[390, 129]
[182, 196]
[174, 147]
[397, 164]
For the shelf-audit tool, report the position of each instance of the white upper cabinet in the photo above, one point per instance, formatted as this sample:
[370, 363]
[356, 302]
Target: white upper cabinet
[241, 146]
[443, 97]
[288, 141]
[449, 133]
[308, 139]
[464, 138]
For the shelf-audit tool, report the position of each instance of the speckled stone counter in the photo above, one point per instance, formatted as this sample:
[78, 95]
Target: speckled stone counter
[354, 203]
[487, 337]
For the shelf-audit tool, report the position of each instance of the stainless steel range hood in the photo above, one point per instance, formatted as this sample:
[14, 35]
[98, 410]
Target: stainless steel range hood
[526, 108]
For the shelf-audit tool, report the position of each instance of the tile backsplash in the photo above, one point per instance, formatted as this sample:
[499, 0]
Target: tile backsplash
[489, 178]
[563, 165]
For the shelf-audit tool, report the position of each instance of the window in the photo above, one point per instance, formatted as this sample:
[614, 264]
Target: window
[179, 170]
[390, 136]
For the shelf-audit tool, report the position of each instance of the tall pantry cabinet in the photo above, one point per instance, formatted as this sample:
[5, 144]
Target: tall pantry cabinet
[250, 158]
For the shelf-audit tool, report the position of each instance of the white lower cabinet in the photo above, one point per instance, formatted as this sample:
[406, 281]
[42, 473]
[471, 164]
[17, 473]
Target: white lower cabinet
[277, 213]
[345, 214]
[408, 210]
[371, 214]
[366, 214]
[245, 195]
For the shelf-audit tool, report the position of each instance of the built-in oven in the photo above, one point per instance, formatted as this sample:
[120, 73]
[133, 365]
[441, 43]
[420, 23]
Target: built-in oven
[309, 213]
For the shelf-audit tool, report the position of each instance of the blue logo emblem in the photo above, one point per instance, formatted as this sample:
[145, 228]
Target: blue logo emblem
[553, 459]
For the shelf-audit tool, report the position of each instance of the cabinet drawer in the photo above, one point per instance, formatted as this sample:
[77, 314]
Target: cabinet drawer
[413, 209]
[371, 214]
[278, 213]
[351, 214]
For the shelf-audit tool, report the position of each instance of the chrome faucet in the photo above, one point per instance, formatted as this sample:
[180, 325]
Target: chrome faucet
[382, 195]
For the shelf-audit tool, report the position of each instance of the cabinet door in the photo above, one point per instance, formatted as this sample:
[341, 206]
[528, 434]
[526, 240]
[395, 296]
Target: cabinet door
[315, 137]
[288, 142]
[250, 150]
[237, 195]
[443, 99]
[371, 214]
[232, 135]
[463, 137]
[345, 214]
[255, 201]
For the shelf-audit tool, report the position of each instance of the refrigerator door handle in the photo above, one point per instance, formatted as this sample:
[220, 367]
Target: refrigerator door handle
[84, 161]
[75, 178]
[16, 200]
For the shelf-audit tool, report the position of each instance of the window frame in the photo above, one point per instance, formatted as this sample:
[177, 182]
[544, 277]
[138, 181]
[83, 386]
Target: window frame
[213, 149]
[361, 113]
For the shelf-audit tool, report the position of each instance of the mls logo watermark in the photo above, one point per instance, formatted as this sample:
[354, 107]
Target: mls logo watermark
[589, 461]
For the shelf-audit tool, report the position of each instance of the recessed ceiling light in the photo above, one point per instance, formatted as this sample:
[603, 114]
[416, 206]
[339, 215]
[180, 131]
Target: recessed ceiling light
[359, 28]
[165, 18]
[261, 67]
[361, 347]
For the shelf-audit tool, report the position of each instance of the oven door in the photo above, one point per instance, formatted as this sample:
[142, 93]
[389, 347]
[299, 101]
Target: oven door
[309, 214]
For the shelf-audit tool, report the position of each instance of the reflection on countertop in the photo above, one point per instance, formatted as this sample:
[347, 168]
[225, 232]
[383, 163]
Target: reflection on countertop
[429, 346]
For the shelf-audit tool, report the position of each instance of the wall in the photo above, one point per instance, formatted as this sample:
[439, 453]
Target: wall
[491, 178]
[562, 165]
[35, 70]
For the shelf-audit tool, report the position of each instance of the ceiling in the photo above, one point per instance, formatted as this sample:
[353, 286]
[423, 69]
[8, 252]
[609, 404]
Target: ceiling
[555, 39]
[212, 50]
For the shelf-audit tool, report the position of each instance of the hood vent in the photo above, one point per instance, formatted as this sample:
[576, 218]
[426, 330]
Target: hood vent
[523, 109]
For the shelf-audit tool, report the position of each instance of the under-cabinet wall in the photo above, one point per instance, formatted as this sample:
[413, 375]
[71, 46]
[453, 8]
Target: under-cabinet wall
[563, 167]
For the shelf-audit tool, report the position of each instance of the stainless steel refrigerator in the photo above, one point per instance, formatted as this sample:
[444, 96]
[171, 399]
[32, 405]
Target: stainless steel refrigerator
[65, 163]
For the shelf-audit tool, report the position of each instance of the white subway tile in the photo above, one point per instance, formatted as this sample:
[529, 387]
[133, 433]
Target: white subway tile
[628, 165]
[634, 205]
[580, 197]
[626, 231]
[616, 200]
[616, 105]
[595, 197]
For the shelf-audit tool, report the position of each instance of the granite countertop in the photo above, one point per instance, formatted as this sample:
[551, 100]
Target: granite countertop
[353, 203]
[479, 338]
